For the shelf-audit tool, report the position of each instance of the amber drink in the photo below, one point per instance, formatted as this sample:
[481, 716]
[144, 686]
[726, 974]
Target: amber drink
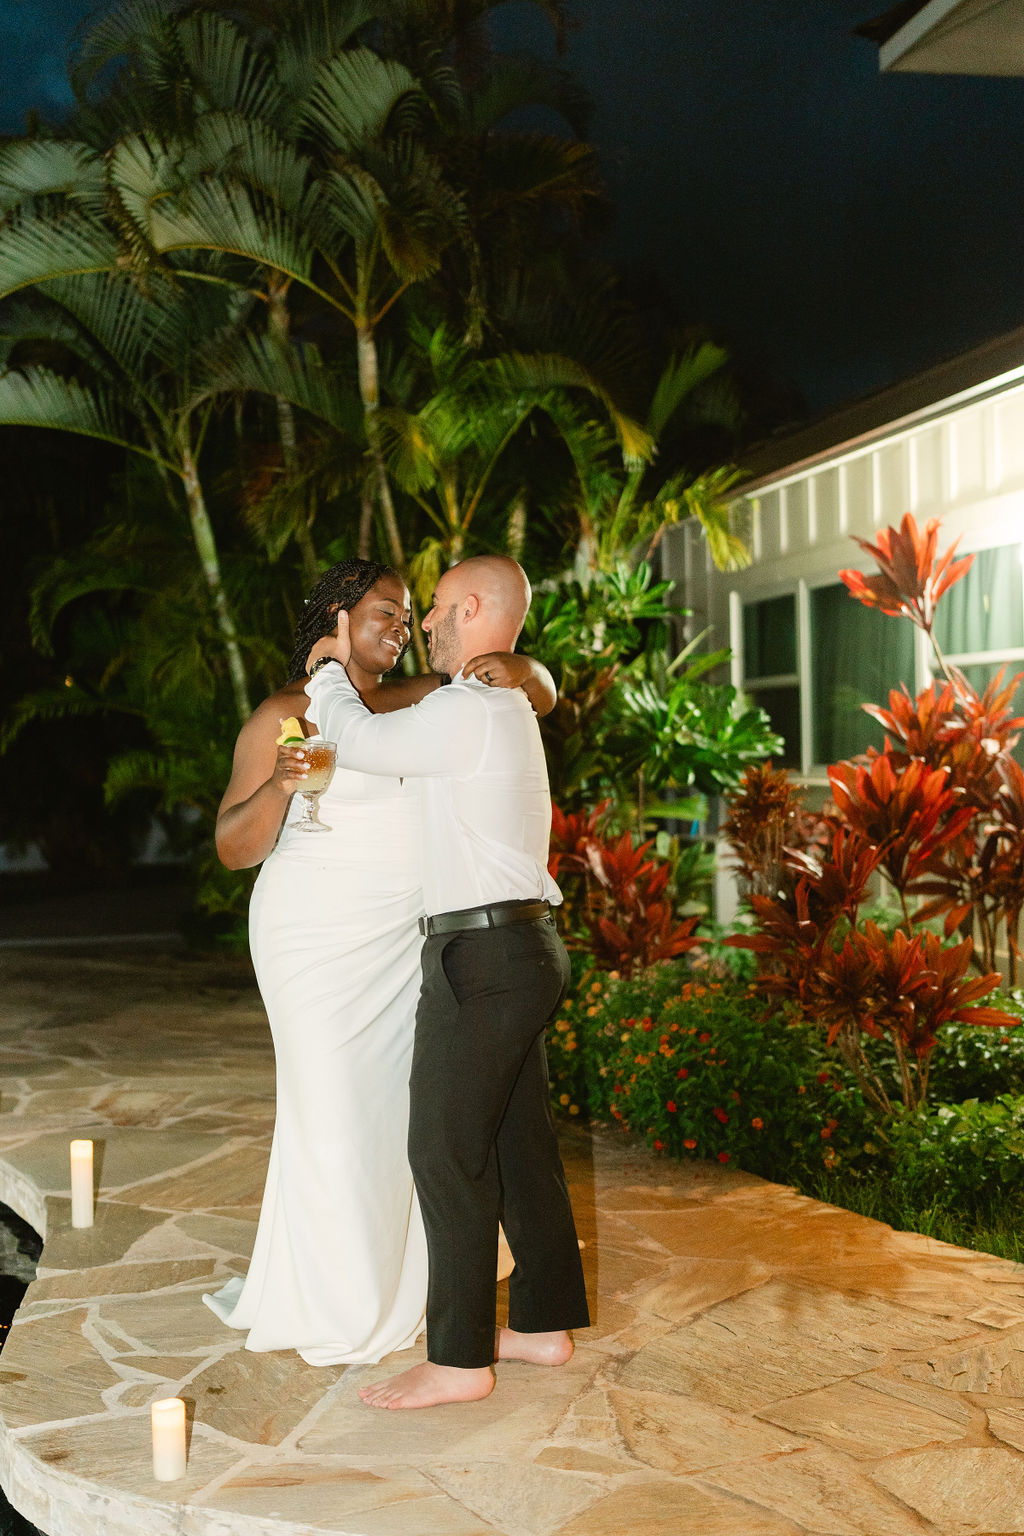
[321, 757]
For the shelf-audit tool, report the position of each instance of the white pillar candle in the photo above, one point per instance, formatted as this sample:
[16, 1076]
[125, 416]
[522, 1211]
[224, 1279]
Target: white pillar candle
[81, 1184]
[168, 1421]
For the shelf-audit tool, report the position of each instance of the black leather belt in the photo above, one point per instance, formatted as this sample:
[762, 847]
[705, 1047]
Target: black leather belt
[494, 916]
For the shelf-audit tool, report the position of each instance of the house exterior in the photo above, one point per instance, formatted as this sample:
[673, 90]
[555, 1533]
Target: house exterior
[950, 37]
[947, 444]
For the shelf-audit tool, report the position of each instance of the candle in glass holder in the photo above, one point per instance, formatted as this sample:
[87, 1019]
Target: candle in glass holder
[81, 1184]
[167, 1418]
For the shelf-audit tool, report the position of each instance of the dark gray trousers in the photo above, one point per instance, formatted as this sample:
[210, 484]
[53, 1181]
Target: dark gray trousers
[481, 1140]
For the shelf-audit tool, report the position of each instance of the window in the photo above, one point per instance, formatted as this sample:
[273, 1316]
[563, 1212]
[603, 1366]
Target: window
[852, 655]
[770, 674]
[857, 656]
[980, 622]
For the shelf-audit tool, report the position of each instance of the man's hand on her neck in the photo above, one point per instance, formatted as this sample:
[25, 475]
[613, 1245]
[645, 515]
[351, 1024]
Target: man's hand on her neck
[338, 645]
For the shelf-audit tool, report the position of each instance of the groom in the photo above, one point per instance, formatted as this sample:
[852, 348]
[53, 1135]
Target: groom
[481, 1142]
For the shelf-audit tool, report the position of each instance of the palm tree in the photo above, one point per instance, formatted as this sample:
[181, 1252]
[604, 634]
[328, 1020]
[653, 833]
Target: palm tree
[129, 367]
[627, 509]
[343, 181]
[445, 450]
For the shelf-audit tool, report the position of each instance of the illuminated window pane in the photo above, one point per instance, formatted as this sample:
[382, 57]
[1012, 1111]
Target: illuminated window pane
[857, 656]
[984, 611]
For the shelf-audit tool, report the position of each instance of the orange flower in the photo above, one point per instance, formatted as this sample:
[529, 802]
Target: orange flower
[826, 1132]
[671, 1106]
[721, 1115]
[659, 1146]
[689, 1145]
[683, 1072]
[757, 1123]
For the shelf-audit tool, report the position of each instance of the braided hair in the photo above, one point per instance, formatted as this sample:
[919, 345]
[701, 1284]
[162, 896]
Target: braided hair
[341, 587]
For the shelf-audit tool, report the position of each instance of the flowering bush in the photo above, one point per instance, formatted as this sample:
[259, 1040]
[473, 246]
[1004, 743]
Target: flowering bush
[700, 1070]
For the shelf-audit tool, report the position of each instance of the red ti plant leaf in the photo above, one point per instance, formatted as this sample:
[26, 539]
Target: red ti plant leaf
[767, 819]
[911, 580]
[908, 814]
[571, 836]
[619, 894]
[902, 988]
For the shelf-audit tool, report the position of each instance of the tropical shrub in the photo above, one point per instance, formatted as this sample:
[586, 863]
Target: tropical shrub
[971, 1063]
[649, 735]
[620, 908]
[965, 1157]
[701, 1070]
[938, 813]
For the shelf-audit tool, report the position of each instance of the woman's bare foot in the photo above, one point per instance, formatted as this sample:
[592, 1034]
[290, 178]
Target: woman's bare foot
[428, 1385]
[537, 1348]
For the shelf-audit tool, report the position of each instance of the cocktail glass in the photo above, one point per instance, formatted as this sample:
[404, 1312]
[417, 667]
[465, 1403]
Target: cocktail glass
[321, 757]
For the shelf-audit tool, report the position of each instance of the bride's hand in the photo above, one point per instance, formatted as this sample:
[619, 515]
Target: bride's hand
[338, 645]
[290, 770]
[499, 669]
[507, 669]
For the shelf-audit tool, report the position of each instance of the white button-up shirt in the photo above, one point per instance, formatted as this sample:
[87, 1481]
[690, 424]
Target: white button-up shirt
[476, 753]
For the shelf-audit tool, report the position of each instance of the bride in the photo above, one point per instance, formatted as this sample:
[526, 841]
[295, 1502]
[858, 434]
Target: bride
[339, 1267]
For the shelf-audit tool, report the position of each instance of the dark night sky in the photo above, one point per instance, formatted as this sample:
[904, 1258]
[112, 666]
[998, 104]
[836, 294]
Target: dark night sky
[847, 227]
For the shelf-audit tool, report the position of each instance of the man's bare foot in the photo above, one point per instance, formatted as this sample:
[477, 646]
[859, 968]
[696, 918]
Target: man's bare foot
[428, 1385]
[536, 1348]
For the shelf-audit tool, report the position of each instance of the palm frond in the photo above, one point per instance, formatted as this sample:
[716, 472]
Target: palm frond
[680, 378]
[542, 372]
[228, 74]
[137, 30]
[707, 499]
[65, 581]
[47, 704]
[37, 247]
[176, 777]
[34, 168]
[354, 96]
[209, 215]
[258, 364]
[520, 80]
[116, 317]
[422, 213]
[310, 32]
[37, 397]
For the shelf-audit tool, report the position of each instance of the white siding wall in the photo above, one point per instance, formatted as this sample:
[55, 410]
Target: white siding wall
[965, 467]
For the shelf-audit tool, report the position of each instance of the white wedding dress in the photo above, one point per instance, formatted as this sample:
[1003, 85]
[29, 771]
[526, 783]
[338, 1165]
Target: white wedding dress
[339, 1268]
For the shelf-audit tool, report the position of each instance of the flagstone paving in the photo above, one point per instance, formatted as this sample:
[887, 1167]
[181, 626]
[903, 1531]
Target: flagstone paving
[759, 1364]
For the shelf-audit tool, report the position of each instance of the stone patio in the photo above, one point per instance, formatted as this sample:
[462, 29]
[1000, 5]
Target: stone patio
[759, 1365]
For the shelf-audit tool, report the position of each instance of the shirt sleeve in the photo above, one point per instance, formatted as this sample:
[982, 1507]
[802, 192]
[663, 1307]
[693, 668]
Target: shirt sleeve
[446, 733]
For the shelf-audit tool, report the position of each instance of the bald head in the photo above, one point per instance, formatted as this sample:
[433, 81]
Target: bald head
[479, 605]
